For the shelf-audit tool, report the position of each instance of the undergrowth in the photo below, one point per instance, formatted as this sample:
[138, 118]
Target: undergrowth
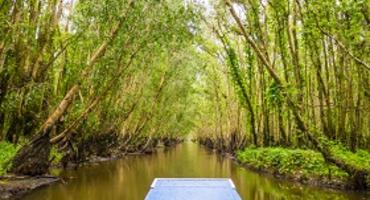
[7, 152]
[295, 162]
[304, 163]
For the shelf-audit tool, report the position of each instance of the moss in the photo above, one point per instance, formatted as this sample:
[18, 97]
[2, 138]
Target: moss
[7, 152]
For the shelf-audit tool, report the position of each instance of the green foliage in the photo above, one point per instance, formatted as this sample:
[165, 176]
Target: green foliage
[55, 156]
[236, 74]
[294, 162]
[273, 94]
[359, 159]
[7, 152]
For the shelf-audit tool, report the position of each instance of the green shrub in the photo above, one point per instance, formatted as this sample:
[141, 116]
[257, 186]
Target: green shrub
[359, 159]
[297, 162]
[55, 155]
[7, 152]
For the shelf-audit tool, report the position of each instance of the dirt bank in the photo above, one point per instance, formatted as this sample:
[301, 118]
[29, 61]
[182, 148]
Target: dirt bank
[13, 187]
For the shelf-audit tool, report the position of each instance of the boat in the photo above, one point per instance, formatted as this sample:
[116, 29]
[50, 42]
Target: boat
[192, 189]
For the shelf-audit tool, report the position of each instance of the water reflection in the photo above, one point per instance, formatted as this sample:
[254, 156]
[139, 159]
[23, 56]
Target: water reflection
[130, 178]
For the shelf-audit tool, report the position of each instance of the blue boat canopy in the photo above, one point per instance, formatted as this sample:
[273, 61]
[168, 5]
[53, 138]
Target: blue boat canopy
[192, 189]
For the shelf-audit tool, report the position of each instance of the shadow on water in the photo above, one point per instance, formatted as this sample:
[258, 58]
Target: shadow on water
[130, 178]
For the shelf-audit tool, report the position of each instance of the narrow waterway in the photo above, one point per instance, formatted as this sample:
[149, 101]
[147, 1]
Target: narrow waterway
[130, 178]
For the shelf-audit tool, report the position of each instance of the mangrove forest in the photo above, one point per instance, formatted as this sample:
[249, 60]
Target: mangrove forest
[99, 97]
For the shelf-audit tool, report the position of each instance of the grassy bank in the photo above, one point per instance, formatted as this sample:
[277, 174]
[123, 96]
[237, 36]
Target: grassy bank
[302, 165]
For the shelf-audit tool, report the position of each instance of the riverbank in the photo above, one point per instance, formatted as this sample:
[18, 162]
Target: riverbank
[91, 151]
[304, 166]
[131, 176]
[12, 187]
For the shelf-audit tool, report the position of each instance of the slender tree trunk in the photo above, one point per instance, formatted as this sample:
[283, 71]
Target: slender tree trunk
[359, 175]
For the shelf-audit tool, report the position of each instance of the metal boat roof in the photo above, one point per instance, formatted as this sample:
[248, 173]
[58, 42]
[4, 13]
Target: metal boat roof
[192, 189]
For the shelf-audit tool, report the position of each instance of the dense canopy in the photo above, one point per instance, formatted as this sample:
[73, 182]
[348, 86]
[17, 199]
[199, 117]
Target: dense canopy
[83, 77]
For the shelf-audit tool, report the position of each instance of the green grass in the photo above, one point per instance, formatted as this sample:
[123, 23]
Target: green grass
[295, 162]
[7, 152]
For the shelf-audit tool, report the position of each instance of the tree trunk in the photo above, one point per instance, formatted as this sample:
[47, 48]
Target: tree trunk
[33, 158]
[357, 175]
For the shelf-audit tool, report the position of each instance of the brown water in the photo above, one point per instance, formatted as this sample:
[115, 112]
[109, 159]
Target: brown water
[129, 178]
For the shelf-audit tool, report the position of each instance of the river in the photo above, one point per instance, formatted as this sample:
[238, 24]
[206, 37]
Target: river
[129, 178]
